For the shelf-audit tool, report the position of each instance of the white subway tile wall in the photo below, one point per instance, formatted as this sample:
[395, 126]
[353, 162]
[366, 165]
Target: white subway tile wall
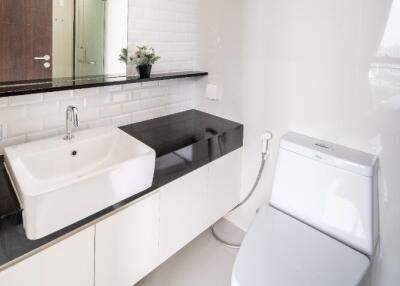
[31, 117]
[169, 26]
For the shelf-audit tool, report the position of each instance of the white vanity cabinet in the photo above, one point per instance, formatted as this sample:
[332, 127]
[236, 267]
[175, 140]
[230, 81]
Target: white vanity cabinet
[223, 188]
[133, 242]
[123, 248]
[69, 262]
[127, 244]
[190, 205]
[182, 211]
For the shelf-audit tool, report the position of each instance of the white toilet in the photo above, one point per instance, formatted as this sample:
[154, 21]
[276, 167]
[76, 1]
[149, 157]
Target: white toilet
[321, 227]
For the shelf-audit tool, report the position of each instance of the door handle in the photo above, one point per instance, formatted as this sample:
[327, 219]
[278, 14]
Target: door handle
[44, 58]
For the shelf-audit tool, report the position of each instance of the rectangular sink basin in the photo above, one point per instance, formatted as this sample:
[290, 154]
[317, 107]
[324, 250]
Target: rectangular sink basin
[60, 182]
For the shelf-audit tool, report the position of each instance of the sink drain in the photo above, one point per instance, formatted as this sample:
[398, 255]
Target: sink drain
[74, 153]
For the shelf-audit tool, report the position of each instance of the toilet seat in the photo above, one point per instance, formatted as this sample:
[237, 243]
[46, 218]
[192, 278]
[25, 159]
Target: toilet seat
[279, 250]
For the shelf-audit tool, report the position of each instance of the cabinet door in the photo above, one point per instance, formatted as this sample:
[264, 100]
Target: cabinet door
[182, 211]
[127, 244]
[69, 262]
[224, 183]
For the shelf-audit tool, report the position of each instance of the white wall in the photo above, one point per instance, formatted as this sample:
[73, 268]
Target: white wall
[306, 67]
[220, 53]
[169, 26]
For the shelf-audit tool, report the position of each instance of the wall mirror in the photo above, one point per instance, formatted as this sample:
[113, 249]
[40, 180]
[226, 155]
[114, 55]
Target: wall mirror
[48, 40]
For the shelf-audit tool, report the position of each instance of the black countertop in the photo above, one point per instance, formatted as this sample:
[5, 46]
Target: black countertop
[50, 85]
[183, 142]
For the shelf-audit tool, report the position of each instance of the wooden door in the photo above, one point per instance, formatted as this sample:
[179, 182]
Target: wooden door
[25, 33]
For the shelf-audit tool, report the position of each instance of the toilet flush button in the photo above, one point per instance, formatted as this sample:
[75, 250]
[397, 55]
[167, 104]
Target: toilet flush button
[324, 146]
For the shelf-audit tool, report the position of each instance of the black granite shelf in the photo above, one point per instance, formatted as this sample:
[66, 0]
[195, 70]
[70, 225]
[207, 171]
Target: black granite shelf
[31, 87]
[183, 143]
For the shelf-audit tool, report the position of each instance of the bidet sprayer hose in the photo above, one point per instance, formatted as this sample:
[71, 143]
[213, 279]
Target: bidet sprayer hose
[267, 136]
[250, 194]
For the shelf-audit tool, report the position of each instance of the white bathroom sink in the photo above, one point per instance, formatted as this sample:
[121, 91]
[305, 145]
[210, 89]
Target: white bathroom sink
[60, 182]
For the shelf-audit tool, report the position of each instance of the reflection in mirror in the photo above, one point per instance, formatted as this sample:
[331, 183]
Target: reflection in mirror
[53, 39]
[384, 73]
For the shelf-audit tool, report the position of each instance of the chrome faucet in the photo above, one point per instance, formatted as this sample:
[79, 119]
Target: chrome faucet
[71, 119]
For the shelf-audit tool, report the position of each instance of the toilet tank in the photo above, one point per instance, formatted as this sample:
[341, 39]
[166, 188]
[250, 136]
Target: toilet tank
[329, 187]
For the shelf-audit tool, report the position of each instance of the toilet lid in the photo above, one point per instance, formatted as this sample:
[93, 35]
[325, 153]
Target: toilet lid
[279, 250]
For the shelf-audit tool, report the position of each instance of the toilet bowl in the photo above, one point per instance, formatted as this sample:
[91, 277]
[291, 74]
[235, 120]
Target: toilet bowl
[321, 226]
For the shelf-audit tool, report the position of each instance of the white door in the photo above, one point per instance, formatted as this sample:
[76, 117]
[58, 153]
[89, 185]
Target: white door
[127, 244]
[191, 204]
[182, 211]
[224, 183]
[69, 262]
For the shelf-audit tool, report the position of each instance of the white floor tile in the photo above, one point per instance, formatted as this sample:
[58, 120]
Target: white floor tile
[202, 262]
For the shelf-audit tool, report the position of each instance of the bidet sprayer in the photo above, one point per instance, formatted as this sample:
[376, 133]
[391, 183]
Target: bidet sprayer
[265, 138]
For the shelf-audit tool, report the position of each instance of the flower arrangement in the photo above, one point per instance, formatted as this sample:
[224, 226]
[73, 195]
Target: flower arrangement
[145, 56]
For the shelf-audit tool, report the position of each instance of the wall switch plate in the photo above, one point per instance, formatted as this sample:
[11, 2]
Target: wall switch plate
[213, 92]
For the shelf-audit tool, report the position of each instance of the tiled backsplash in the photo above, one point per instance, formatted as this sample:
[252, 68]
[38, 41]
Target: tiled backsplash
[31, 117]
[170, 26]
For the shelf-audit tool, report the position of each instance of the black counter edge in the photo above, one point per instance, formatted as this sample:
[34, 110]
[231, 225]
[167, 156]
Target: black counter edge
[88, 83]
